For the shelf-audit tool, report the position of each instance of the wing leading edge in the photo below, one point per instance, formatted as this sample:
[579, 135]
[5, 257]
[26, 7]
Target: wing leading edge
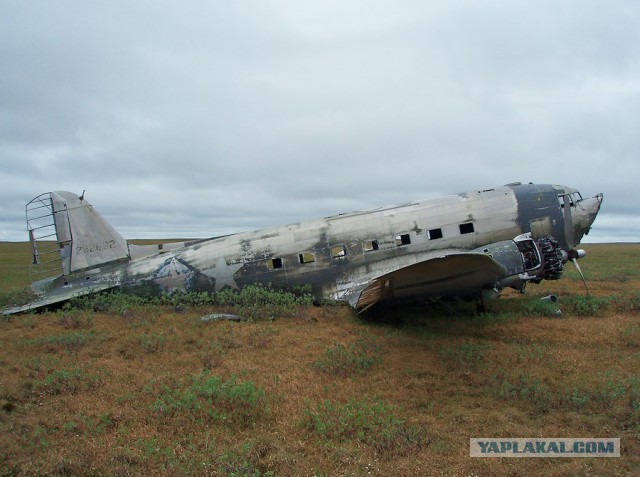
[462, 274]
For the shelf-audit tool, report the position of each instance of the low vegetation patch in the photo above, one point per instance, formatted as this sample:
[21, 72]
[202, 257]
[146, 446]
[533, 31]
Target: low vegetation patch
[526, 388]
[244, 460]
[628, 302]
[608, 390]
[65, 380]
[10, 298]
[112, 302]
[356, 358]
[208, 397]
[152, 342]
[88, 425]
[370, 422]
[254, 302]
[74, 319]
[586, 306]
[466, 355]
[123, 385]
[69, 342]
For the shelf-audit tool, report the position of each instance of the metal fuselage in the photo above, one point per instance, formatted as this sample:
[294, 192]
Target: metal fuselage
[337, 256]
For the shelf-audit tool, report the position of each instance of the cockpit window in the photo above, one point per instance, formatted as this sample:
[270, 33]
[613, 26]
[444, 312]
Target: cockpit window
[574, 198]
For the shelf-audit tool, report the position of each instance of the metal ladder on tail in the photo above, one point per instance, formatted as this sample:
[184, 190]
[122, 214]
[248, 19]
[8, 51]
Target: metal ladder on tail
[46, 261]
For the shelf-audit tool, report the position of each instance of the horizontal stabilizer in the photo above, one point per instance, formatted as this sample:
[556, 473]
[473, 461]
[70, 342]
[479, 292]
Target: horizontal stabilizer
[58, 295]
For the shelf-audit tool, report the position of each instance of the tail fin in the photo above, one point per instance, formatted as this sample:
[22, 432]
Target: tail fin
[68, 234]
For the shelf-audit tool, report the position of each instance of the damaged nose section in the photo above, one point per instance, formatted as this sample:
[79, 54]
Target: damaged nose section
[599, 197]
[585, 214]
[592, 207]
[586, 210]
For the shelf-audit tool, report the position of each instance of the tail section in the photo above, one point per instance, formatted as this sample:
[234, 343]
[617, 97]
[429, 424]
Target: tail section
[68, 235]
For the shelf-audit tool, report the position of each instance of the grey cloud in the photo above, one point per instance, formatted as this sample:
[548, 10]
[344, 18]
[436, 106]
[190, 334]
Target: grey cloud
[230, 116]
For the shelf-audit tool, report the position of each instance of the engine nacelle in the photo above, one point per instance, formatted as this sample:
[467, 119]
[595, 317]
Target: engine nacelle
[526, 260]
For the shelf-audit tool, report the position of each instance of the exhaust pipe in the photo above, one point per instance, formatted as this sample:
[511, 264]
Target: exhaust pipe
[550, 298]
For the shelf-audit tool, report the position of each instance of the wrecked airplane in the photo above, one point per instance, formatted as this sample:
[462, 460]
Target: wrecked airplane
[469, 245]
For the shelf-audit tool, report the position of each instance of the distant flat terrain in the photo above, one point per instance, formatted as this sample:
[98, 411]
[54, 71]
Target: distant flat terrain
[126, 389]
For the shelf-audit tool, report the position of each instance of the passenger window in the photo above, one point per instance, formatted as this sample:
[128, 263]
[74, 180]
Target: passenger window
[404, 239]
[435, 234]
[338, 251]
[274, 264]
[306, 257]
[370, 245]
[466, 228]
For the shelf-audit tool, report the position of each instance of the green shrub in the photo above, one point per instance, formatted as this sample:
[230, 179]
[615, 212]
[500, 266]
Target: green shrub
[579, 399]
[66, 380]
[254, 302]
[70, 342]
[246, 298]
[356, 358]
[162, 455]
[585, 306]
[152, 343]
[258, 302]
[113, 302]
[627, 303]
[74, 318]
[371, 422]
[96, 425]
[209, 397]
[182, 298]
[526, 388]
[10, 298]
[212, 357]
[611, 389]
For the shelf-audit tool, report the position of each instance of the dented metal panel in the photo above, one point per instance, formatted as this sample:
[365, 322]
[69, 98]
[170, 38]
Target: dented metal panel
[458, 245]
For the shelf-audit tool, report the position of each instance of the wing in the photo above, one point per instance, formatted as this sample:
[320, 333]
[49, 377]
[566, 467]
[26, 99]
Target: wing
[462, 274]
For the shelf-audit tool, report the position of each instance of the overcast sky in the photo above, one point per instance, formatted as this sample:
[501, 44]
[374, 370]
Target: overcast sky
[200, 118]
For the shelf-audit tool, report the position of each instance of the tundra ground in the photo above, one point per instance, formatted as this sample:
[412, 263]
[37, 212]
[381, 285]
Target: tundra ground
[304, 390]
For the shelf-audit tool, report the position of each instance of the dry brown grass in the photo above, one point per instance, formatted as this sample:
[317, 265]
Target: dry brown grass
[78, 391]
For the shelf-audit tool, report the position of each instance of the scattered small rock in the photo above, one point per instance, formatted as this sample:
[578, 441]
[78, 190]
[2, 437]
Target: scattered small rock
[221, 316]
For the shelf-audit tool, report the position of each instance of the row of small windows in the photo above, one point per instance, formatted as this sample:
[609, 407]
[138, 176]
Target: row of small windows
[340, 251]
[434, 234]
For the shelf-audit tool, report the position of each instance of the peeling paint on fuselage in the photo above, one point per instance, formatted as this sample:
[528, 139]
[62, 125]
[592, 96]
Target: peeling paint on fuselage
[336, 255]
[493, 214]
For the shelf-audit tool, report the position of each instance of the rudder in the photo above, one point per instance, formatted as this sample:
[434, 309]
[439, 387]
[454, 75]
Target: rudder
[67, 234]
